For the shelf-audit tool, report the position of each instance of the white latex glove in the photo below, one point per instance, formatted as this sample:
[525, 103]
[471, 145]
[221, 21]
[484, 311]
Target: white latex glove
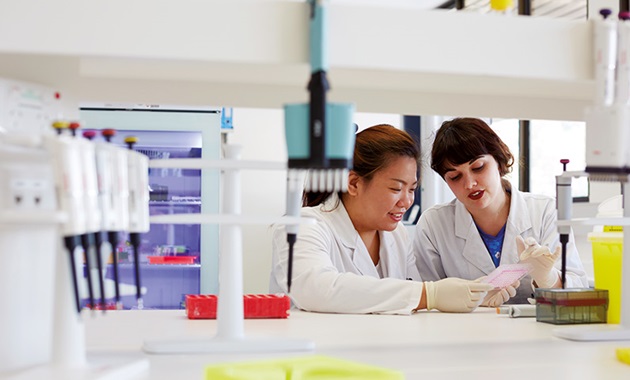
[498, 297]
[455, 295]
[541, 259]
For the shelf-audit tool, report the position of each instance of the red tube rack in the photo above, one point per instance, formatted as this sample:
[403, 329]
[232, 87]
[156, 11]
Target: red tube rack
[254, 306]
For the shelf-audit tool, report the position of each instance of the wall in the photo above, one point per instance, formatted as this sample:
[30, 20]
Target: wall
[261, 133]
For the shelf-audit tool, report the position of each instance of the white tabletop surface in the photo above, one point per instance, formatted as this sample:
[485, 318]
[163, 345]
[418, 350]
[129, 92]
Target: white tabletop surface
[426, 345]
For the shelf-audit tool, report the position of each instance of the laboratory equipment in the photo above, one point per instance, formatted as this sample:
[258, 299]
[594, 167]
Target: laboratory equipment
[607, 255]
[607, 159]
[310, 367]
[175, 259]
[564, 204]
[204, 306]
[138, 170]
[319, 135]
[517, 311]
[29, 236]
[90, 240]
[48, 336]
[571, 306]
[113, 195]
[65, 152]
[506, 274]
[230, 336]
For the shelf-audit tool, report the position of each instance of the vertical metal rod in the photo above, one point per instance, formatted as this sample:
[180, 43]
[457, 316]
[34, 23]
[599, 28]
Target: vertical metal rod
[524, 143]
[524, 7]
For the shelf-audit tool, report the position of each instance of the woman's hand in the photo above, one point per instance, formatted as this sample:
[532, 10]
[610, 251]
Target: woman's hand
[541, 259]
[498, 297]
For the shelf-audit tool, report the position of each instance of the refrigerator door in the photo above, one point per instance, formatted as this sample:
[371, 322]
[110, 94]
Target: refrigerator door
[175, 260]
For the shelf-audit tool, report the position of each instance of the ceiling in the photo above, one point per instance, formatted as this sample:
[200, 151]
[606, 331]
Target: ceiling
[565, 9]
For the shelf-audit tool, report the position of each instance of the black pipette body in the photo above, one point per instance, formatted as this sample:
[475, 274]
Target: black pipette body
[98, 243]
[87, 243]
[564, 240]
[134, 239]
[112, 237]
[291, 238]
[70, 243]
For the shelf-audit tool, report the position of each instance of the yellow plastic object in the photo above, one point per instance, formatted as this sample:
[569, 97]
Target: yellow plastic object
[613, 228]
[623, 354]
[131, 139]
[60, 124]
[607, 252]
[300, 368]
[500, 5]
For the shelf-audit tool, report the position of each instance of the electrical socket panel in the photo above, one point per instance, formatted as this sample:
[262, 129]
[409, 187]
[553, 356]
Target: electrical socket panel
[27, 107]
[26, 181]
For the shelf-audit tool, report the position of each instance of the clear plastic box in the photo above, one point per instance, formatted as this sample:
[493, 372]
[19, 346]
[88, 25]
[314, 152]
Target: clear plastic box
[571, 306]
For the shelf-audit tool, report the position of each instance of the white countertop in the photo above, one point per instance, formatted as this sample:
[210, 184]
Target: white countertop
[425, 345]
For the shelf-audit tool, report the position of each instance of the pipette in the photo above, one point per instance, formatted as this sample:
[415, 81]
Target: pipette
[93, 204]
[564, 200]
[66, 159]
[319, 135]
[138, 165]
[116, 212]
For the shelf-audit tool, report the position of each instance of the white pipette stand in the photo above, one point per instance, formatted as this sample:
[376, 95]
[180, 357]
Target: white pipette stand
[70, 360]
[608, 332]
[230, 336]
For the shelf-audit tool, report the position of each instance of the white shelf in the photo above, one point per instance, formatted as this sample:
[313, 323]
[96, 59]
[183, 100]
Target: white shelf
[248, 53]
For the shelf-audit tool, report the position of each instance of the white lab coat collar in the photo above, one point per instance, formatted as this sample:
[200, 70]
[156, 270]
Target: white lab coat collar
[351, 240]
[518, 221]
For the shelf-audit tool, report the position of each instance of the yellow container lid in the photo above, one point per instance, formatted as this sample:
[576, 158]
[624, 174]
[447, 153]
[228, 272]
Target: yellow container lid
[605, 237]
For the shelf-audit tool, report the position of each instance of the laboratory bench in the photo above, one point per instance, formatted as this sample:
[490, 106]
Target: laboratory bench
[434, 345]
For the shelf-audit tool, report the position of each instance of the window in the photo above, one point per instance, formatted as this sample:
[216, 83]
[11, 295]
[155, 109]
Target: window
[550, 141]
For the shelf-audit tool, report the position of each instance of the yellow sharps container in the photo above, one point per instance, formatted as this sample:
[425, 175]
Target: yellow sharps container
[607, 253]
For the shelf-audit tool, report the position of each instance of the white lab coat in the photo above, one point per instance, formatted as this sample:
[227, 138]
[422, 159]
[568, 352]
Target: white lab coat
[333, 271]
[447, 242]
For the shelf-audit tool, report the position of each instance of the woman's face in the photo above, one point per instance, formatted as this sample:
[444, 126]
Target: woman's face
[384, 199]
[477, 184]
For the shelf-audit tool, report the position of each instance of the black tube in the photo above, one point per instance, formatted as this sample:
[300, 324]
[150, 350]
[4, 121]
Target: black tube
[70, 243]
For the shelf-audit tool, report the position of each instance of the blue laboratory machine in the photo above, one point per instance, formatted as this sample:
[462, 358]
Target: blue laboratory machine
[319, 135]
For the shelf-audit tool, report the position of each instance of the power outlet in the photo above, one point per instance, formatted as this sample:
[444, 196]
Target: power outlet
[31, 194]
